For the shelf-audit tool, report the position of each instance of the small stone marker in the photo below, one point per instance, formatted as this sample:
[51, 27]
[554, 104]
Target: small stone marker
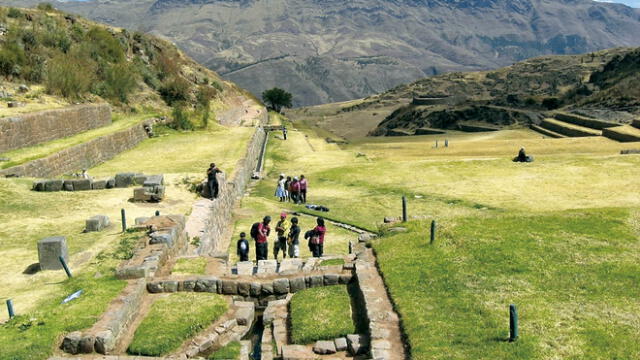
[123, 215]
[404, 209]
[245, 268]
[50, 250]
[433, 232]
[12, 314]
[513, 323]
[97, 223]
[267, 266]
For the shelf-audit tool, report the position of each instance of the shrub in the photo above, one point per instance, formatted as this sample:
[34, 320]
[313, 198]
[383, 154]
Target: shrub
[101, 45]
[180, 118]
[11, 58]
[175, 90]
[551, 103]
[14, 13]
[167, 66]
[35, 71]
[57, 39]
[69, 76]
[119, 82]
[45, 6]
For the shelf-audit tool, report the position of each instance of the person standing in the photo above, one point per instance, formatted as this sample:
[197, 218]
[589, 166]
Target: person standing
[287, 188]
[292, 239]
[243, 247]
[281, 192]
[317, 240]
[260, 233]
[284, 132]
[282, 228]
[303, 189]
[212, 180]
[295, 190]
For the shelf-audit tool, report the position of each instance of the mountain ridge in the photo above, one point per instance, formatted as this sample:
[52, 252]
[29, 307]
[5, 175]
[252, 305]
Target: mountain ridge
[338, 50]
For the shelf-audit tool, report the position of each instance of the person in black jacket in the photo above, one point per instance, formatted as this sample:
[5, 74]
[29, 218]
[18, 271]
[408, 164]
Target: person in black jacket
[212, 180]
[243, 247]
[292, 239]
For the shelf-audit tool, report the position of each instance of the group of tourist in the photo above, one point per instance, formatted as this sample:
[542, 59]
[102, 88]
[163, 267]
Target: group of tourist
[287, 241]
[292, 189]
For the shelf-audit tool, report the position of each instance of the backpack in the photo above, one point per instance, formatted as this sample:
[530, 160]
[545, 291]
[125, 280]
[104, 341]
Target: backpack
[255, 229]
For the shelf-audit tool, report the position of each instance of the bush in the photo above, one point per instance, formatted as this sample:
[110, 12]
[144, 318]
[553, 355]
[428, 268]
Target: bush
[69, 76]
[14, 13]
[45, 7]
[11, 59]
[180, 119]
[551, 103]
[57, 39]
[119, 83]
[101, 45]
[175, 90]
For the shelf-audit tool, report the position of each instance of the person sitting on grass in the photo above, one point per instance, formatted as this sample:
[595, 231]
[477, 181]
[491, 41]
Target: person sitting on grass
[282, 228]
[243, 247]
[281, 192]
[522, 156]
[292, 239]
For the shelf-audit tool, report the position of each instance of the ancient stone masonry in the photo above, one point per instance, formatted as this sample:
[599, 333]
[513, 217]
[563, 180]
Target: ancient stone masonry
[211, 220]
[36, 128]
[83, 156]
[121, 180]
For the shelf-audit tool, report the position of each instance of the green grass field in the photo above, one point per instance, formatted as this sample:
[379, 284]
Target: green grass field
[321, 314]
[173, 319]
[557, 237]
[229, 352]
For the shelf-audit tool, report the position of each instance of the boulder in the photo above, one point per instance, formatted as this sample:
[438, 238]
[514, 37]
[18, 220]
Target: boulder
[67, 185]
[105, 342]
[153, 181]
[297, 352]
[111, 183]
[99, 184]
[364, 237]
[297, 284]
[97, 223]
[316, 281]
[49, 251]
[170, 286]
[38, 185]
[81, 184]
[124, 180]
[244, 288]
[255, 289]
[357, 344]
[154, 287]
[71, 343]
[229, 287]
[281, 286]
[206, 285]
[267, 289]
[139, 179]
[188, 285]
[341, 344]
[53, 185]
[324, 347]
[87, 344]
[331, 279]
[141, 220]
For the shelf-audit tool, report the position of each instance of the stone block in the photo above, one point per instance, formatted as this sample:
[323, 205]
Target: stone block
[141, 195]
[316, 281]
[53, 185]
[331, 279]
[105, 342]
[153, 181]
[71, 343]
[132, 272]
[111, 183]
[99, 184]
[324, 347]
[81, 184]
[188, 285]
[161, 237]
[267, 266]
[38, 185]
[229, 287]
[345, 279]
[87, 344]
[267, 289]
[297, 352]
[170, 286]
[206, 285]
[341, 344]
[244, 315]
[154, 287]
[255, 289]
[244, 288]
[97, 223]
[49, 249]
[297, 284]
[281, 286]
[357, 344]
[364, 237]
[124, 180]
[245, 268]
[290, 266]
[139, 179]
[67, 185]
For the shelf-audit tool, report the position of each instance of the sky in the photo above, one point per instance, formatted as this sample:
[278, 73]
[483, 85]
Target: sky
[632, 3]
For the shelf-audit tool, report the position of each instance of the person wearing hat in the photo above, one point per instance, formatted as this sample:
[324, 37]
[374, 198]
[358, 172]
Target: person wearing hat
[261, 237]
[292, 239]
[281, 192]
[282, 229]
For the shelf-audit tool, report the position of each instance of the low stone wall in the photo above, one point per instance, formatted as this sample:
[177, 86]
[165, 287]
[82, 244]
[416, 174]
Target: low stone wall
[167, 239]
[104, 335]
[217, 225]
[82, 156]
[35, 128]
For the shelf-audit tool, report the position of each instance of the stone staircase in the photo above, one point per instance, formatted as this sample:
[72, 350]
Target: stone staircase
[562, 125]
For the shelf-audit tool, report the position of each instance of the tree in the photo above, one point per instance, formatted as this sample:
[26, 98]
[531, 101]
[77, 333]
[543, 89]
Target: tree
[276, 98]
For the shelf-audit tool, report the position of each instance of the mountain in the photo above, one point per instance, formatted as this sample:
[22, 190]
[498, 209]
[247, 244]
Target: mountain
[331, 50]
[603, 85]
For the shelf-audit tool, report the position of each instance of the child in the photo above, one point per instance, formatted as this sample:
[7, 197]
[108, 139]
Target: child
[243, 247]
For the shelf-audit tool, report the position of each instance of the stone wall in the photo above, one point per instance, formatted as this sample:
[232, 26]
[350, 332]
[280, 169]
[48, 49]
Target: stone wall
[35, 128]
[82, 156]
[217, 225]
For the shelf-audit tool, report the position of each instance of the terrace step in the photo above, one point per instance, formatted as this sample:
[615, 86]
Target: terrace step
[584, 120]
[546, 132]
[568, 129]
[636, 123]
[624, 133]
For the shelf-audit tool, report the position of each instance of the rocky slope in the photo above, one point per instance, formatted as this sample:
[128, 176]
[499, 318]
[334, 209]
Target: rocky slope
[327, 51]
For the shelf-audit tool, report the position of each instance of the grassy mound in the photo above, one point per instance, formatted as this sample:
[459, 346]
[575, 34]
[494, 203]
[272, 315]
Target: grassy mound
[320, 314]
[190, 266]
[573, 276]
[173, 319]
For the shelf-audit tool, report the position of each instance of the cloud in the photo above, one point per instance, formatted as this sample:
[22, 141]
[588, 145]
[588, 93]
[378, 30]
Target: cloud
[632, 3]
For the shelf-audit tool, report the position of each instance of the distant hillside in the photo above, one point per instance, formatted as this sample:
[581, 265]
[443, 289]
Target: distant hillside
[68, 59]
[328, 51]
[603, 84]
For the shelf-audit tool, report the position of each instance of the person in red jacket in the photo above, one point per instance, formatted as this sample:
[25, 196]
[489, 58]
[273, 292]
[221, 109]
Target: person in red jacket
[303, 189]
[317, 240]
[295, 191]
[261, 236]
